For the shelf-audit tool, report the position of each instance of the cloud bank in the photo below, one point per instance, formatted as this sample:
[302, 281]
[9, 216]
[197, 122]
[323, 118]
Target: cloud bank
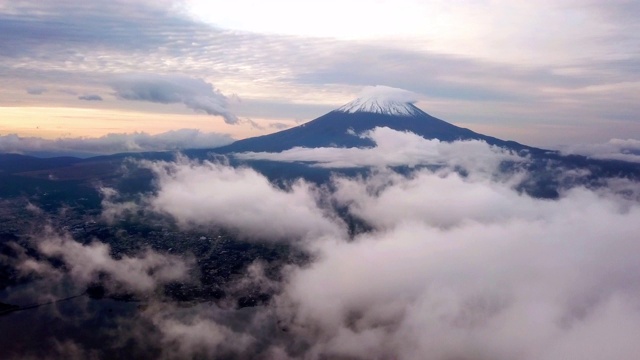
[450, 262]
[454, 266]
[396, 148]
[550, 286]
[614, 149]
[114, 143]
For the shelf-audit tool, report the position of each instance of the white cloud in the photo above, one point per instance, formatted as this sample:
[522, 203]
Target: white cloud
[614, 149]
[455, 267]
[241, 199]
[397, 148]
[388, 93]
[540, 281]
[386, 199]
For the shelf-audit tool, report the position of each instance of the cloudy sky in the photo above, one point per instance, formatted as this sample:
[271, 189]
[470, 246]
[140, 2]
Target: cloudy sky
[543, 73]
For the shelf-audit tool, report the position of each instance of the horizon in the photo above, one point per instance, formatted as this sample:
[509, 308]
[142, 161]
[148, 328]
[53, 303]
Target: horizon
[172, 65]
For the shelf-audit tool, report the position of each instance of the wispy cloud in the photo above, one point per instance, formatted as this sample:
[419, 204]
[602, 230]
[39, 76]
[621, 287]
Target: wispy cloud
[90, 97]
[194, 93]
[85, 263]
[36, 90]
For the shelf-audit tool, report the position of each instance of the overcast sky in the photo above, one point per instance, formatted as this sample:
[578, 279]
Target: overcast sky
[543, 73]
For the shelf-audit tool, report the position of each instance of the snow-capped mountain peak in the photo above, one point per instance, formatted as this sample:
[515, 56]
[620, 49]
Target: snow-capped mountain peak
[384, 100]
[380, 105]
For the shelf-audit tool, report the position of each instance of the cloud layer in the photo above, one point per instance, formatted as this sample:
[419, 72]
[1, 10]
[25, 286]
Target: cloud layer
[614, 149]
[396, 148]
[542, 285]
[453, 262]
[454, 266]
[114, 143]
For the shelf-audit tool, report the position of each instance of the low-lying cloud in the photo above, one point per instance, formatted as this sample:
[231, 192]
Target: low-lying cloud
[140, 273]
[194, 93]
[548, 286]
[61, 266]
[115, 142]
[396, 148]
[239, 199]
[450, 262]
[454, 267]
[614, 149]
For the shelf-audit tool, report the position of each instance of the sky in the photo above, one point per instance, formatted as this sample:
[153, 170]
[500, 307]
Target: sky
[544, 73]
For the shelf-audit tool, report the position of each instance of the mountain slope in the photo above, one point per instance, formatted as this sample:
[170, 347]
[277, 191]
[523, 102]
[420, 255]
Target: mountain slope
[339, 128]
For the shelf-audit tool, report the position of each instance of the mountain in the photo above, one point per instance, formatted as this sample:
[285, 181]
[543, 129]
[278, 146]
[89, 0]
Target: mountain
[66, 177]
[15, 163]
[341, 127]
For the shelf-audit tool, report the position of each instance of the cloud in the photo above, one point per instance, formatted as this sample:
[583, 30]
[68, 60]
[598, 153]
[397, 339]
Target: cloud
[197, 332]
[141, 273]
[614, 149]
[388, 93]
[474, 289]
[115, 143]
[91, 97]
[241, 200]
[456, 265]
[279, 126]
[39, 26]
[452, 266]
[396, 148]
[195, 94]
[387, 199]
[112, 209]
[36, 90]
[579, 100]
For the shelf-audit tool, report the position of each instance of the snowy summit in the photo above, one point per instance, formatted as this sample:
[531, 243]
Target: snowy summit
[383, 100]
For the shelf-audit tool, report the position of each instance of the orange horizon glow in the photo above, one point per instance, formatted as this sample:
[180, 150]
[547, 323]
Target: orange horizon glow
[72, 122]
